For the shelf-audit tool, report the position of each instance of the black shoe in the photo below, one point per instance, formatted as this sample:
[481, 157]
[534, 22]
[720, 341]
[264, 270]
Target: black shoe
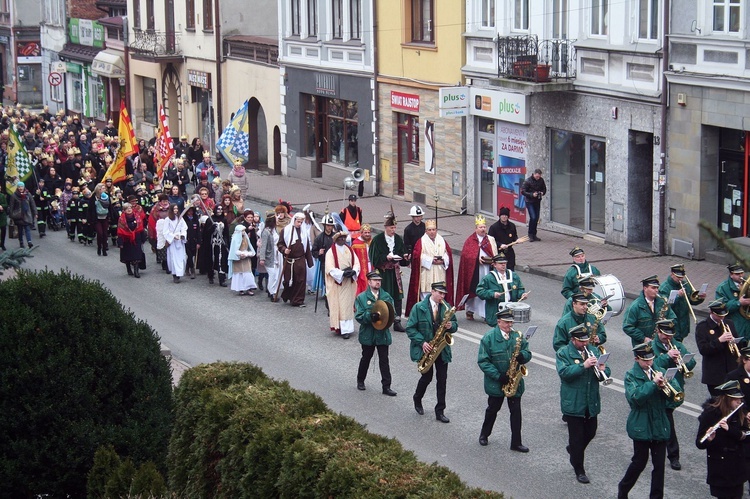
[31, 245]
[482, 440]
[104, 252]
[99, 251]
[389, 392]
[345, 335]
[536, 239]
[675, 464]
[442, 418]
[582, 478]
[418, 407]
[130, 270]
[398, 327]
[136, 271]
[175, 279]
[22, 245]
[520, 448]
[361, 385]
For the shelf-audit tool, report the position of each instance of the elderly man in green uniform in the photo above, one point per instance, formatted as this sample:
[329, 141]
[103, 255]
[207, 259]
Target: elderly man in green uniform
[575, 317]
[500, 286]
[579, 395]
[586, 286]
[497, 349]
[687, 298]
[387, 254]
[424, 320]
[371, 338]
[641, 316]
[648, 425]
[669, 352]
[729, 292]
[580, 269]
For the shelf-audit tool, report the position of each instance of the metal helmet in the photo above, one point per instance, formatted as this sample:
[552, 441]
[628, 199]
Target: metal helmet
[328, 219]
[416, 211]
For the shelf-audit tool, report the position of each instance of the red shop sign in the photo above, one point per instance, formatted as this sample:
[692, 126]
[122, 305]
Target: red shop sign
[406, 102]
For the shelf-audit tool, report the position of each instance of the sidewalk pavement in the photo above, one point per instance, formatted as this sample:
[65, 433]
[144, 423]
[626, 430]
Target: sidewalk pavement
[548, 257]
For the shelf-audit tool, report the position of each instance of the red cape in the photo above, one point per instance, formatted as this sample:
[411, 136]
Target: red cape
[360, 249]
[416, 264]
[467, 267]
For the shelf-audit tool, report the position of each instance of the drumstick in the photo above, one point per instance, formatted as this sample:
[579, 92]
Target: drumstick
[524, 296]
[522, 239]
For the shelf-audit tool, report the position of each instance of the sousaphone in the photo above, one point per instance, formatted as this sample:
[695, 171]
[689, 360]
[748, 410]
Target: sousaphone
[387, 315]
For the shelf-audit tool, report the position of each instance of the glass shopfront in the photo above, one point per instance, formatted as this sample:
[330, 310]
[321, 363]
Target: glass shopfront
[733, 181]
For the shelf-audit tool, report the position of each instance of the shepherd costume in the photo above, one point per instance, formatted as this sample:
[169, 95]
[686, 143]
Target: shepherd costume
[295, 264]
[342, 269]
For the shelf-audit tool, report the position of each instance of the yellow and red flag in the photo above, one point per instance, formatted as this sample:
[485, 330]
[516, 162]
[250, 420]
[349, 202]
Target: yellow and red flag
[164, 144]
[128, 147]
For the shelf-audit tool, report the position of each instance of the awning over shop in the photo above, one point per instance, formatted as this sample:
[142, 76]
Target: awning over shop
[75, 52]
[109, 63]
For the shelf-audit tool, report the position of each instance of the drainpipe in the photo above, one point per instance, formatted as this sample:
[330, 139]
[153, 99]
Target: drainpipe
[126, 35]
[218, 99]
[663, 131]
[376, 90]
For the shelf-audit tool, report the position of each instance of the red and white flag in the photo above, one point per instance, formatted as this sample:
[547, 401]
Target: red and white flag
[164, 144]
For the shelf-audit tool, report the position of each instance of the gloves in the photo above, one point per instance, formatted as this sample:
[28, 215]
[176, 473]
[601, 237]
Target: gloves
[504, 379]
[519, 358]
[349, 273]
[374, 316]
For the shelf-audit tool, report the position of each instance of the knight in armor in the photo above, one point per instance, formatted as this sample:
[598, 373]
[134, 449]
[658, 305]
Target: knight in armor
[502, 353]
[425, 320]
[580, 269]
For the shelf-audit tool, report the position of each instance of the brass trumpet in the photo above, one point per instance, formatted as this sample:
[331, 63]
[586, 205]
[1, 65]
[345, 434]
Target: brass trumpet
[687, 373]
[668, 389]
[733, 348]
[600, 375]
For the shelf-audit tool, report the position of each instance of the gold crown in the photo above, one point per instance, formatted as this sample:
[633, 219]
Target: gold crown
[479, 219]
[167, 184]
[430, 224]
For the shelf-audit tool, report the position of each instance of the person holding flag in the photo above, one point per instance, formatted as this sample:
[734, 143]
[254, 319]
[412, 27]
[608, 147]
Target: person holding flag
[234, 142]
[164, 145]
[128, 147]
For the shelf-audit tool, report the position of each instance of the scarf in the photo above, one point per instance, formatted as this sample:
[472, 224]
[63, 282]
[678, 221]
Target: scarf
[123, 227]
[238, 172]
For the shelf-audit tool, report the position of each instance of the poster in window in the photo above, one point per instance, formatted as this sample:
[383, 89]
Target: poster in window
[511, 170]
[429, 147]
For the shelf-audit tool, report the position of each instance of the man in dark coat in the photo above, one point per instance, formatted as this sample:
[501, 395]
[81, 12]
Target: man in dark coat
[717, 341]
[386, 253]
[371, 338]
[505, 233]
[532, 190]
[415, 230]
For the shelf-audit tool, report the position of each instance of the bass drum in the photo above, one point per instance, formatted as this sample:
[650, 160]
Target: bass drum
[607, 285]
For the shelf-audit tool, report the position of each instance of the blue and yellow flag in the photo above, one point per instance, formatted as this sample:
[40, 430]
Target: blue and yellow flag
[234, 142]
[19, 166]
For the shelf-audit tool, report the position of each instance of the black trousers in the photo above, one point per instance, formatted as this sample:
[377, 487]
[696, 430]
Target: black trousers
[673, 446]
[441, 367]
[364, 364]
[581, 431]
[494, 404]
[641, 449]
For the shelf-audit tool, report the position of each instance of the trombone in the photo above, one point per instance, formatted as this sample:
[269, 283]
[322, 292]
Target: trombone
[668, 389]
[600, 375]
[687, 373]
[693, 296]
[733, 348]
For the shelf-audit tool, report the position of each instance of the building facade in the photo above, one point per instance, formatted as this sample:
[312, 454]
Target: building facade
[21, 51]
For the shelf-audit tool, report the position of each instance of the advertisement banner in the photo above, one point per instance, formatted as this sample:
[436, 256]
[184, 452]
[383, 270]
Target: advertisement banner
[503, 106]
[454, 102]
[511, 170]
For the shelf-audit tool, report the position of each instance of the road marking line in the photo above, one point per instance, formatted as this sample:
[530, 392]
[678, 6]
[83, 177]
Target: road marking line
[549, 362]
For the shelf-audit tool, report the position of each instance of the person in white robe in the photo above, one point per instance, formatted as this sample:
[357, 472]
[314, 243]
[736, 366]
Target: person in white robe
[174, 232]
[240, 265]
[342, 269]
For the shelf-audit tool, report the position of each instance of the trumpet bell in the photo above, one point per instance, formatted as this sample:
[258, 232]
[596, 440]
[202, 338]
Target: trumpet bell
[607, 381]
[679, 397]
[688, 374]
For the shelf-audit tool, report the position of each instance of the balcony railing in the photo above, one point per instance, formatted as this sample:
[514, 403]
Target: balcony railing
[527, 58]
[155, 43]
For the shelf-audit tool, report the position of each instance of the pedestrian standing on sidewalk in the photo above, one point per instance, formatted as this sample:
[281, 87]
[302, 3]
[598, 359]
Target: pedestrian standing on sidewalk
[23, 212]
[533, 189]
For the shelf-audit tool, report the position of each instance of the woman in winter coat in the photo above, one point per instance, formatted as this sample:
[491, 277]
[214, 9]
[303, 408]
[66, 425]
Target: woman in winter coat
[130, 239]
[23, 212]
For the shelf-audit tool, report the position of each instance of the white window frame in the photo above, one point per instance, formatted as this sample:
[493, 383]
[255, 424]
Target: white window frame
[76, 94]
[599, 27]
[653, 8]
[727, 6]
[521, 15]
[96, 89]
[487, 14]
[354, 24]
[54, 12]
[56, 93]
[560, 19]
[345, 31]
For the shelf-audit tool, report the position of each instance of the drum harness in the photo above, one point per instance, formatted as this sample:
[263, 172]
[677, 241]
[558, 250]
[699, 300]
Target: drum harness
[504, 282]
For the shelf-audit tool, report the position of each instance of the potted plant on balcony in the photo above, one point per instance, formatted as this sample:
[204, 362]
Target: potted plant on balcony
[541, 73]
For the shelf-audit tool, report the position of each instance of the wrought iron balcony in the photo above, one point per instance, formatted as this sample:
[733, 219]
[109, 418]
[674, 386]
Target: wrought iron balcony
[527, 58]
[155, 43]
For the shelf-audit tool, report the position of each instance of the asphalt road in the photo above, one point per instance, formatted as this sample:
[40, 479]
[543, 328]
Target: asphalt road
[202, 323]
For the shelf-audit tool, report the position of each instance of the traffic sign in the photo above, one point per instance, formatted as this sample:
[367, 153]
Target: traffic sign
[54, 79]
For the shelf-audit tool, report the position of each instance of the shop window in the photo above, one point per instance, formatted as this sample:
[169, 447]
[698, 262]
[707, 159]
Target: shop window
[342, 132]
[149, 100]
[408, 127]
[310, 142]
[98, 98]
[76, 100]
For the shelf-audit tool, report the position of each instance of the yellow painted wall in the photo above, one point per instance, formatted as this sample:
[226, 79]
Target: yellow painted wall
[400, 59]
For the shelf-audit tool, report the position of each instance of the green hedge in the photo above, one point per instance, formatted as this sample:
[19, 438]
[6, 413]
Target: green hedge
[77, 372]
[238, 433]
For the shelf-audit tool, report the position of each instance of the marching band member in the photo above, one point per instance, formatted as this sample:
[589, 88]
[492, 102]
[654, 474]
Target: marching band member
[586, 286]
[476, 257]
[724, 456]
[685, 300]
[668, 353]
[500, 347]
[648, 424]
[742, 375]
[729, 292]
[717, 341]
[575, 317]
[579, 395]
[580, 269]
[640, 318]
[498, 287]
[424, 321]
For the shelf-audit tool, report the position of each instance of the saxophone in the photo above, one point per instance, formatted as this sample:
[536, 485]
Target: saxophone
[515, 372]
[662, 315]
[438, 343]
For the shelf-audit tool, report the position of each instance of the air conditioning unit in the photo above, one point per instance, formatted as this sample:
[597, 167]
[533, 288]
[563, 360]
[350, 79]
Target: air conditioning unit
[682, 248]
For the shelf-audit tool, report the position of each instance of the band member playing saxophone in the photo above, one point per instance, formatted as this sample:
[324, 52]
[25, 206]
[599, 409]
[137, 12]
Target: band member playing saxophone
[577, 367]
[502, 355]
[718, 343]
[641, 316]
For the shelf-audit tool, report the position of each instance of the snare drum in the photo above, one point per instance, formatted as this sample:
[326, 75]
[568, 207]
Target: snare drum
[610, 285]
[521, 311]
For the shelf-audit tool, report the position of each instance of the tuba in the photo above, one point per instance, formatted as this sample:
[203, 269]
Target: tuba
[441, 339]
[515, 372]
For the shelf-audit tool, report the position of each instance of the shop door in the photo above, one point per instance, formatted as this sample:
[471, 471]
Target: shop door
[595, 184]
[487, 188]
[206, 111]
[731, 201]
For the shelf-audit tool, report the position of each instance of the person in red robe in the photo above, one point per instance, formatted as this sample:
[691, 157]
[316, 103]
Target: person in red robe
[361, 247]
[476, 258]
[427, 267]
